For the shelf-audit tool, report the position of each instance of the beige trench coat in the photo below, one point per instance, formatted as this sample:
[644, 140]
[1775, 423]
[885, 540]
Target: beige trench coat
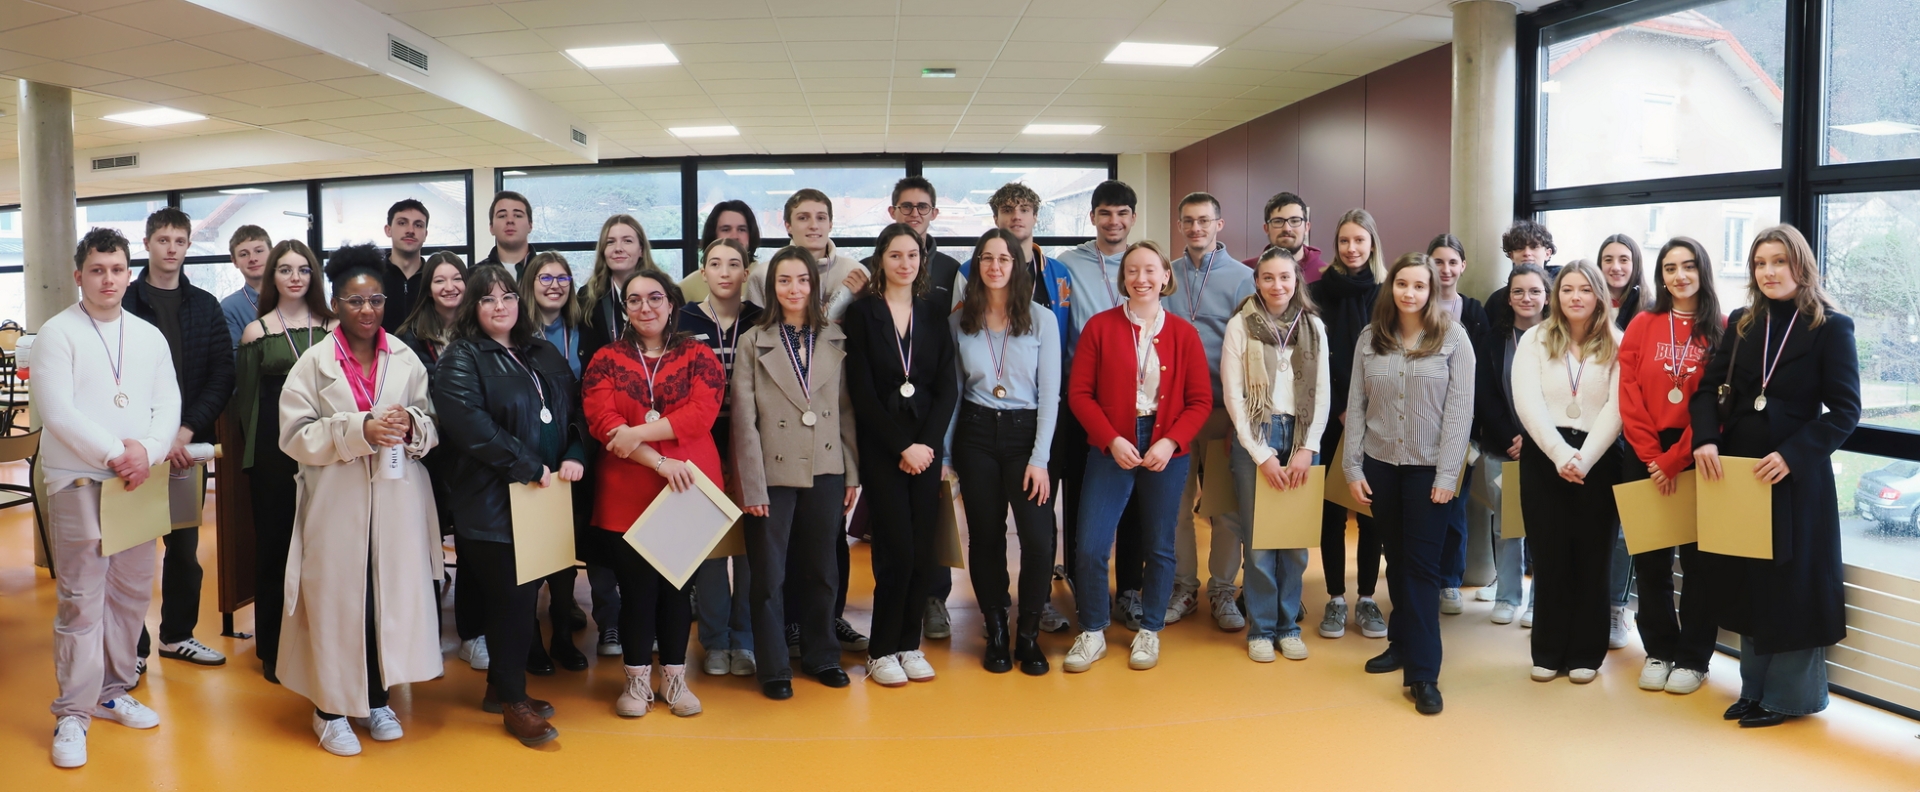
[347, 520]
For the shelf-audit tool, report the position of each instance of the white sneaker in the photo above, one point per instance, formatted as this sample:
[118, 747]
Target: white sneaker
[1088, 647]
[475, 653]
[1526, 618]
[1292, 648]
[1581, 676]
[193, 651]
[1653, 675]
[743, 664]
[1486, 592]
[1684, 680]
[1502, 613]
[1617, 637]
[381, 724]
[1182, 603]
[127, 712]
[1225, 613]
[1450, 601]
[719, 662]
[914, 663]
[886, 671]
[1146, 650]
[1260, 650]
[336, 736]
[1543, 674]
[69, 742]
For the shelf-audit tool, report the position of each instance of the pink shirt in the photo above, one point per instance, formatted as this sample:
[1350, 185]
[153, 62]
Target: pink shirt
[365, 385]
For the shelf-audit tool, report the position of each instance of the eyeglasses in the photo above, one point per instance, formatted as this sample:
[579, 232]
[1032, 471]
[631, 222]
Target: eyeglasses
[1534, 293]
[657, 299]
[361, 303]
[508, 299]
[1287, 222]
[1190, 222]
[914, 208]
[549, 280]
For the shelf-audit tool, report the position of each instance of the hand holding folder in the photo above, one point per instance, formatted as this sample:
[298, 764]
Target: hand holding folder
[542, 529]
[132, 518]
[1735, 513]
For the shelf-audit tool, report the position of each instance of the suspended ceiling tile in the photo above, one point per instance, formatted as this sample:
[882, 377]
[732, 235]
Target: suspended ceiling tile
[1387, 48]
[1092, 9]
[220, 79]
[208, 105]
[1031, 69]
[19, 13]
[599, 35]
[1421, 27]
[1242, 13]
[1241, 58]
[845, 84]
[284, 95]
[772, 71]
[71, 75]
[800, 29]
[741, 34]
[509, 42]
[252, 44]
[460, 21]
[1281, 39]
[1338, 63]
[345, 138]
[957, 28]
[312, 129]
[561, 13]
[74, 36]
[142, 90]
[1408, 6]
[1334, 19]
[175, 19]
[14, 60]
[729, 53]
[1056, 52]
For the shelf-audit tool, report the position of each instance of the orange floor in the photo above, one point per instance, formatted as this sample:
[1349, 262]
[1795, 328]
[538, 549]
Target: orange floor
[1207, 718]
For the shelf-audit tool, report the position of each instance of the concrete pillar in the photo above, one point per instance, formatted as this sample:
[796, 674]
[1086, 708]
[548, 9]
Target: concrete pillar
[482, 195]
[1485, 94]
[46, 199]
[1150, 176]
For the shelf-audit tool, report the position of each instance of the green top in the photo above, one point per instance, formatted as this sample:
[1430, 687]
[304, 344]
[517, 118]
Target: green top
[268, 356]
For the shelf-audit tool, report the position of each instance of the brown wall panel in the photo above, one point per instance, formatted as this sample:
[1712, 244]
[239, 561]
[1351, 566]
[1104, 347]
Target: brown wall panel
[1409, 105]
[1333, 151]
[1188, 174]
[1227, 181]
[1273, 165]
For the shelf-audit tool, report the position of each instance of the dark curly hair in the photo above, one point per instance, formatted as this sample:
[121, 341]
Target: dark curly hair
[353, 260]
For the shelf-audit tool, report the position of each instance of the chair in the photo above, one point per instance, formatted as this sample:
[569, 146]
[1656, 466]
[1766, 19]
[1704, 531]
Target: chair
[14, 393]
[25, 447]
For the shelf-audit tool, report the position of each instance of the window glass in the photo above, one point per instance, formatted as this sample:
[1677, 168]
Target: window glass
[355, 212]
[1625, 96]
[218, 213]
[13, 293]
[1870, 242]
[860, 193]
[1879, 512]
[571, 205]
[1066, 197]
[124, 213]
[1873, 81]
[1721, 227]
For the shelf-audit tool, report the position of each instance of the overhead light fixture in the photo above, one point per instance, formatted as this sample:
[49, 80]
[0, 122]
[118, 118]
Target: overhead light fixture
[1880, 128]
[939, 73]
[781, 192]
[244, 191]
[759, 171]
[1060, 129]
[622, 57]
[159, 116]
[1160, 54]
[703, 131]
[513, 173]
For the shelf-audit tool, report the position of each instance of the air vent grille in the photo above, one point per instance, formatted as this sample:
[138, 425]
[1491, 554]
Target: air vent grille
[406, 54]
[579, 136]
[116, 162]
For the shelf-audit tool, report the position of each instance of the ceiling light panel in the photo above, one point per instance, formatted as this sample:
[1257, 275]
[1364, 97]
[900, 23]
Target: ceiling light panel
[703, 131]
[1060, 129]
[1147, 54]
[623, 57]
[159, 116]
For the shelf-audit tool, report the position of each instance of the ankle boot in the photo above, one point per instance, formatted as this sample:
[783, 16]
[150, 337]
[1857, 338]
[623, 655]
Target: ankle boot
[1026, 648]
[565, 654]
[526, 725]
[637, 698]
[996, 659]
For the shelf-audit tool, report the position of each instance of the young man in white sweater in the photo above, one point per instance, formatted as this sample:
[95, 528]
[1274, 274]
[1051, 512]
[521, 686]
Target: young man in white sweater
[104, 388]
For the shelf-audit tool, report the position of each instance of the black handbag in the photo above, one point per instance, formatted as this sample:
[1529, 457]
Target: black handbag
[1723, 398]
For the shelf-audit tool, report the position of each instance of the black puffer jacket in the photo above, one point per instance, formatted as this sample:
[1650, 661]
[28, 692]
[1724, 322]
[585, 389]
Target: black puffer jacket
[488, 413]
[206, 353]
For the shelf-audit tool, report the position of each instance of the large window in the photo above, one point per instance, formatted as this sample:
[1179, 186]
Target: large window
[124, 213]
[1872, 94]
[1872, 244]
[1723, 227]
[279, 209]
[570, 205]
[13, 281]
[860, 193]
[354, 211]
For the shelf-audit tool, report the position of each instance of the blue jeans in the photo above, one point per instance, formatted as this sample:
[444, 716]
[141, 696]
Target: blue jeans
[1272, 583]
[1412, 533]
[723, 604]
[1107, 489]
[1509, 570]
[1453, 555]
[1790, 683]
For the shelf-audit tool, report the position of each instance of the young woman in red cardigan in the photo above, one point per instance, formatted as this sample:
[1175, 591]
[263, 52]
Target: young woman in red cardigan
[1662, 359]
[650, 398]
[1140, 388]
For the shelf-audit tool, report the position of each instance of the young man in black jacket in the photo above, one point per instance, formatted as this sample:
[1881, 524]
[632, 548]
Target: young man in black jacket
[405, 279]
[196, 331]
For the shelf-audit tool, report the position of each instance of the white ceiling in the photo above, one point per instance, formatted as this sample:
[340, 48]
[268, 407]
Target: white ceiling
[796, 76]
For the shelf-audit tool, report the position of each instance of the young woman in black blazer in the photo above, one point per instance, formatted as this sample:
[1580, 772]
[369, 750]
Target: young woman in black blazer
[1791, 354]
[901, 377]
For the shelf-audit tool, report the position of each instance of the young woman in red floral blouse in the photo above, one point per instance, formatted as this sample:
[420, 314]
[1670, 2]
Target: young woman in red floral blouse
[650, 400]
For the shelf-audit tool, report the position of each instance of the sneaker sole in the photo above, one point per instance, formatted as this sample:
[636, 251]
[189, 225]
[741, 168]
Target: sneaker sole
[1139, 666]
[1303, 656]
[1452, 610]
[938, 635]
[1507, 620]
[194, 660]
[1258, 659]
[1325, 633]
[610, 650]
[1231, 625]
[102, 713]
[1082, 668]
[1653, 688]
[69, 762]
[684, 712]
[1382, 633]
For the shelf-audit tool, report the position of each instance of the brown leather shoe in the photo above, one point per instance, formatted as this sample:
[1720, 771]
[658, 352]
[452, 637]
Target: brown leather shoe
[527, 726]
[491, 704]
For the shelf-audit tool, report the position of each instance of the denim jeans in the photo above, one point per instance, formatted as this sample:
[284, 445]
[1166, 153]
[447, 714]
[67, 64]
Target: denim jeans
[1790, 683]
[1412, 534]
[1453, 555]
[723, 604]
[1508, 561]
[1272, 576]
[1107, 490]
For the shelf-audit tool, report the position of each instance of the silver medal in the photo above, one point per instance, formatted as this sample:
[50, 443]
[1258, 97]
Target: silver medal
[653, 415]
[120, 400]
[1673, 396]
[1760, 403]
[546, 415]
[808, 418]
[1573, 411]
[906, 389]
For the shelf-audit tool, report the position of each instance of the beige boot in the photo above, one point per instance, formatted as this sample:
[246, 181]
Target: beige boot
[638, 697]
[673, 690]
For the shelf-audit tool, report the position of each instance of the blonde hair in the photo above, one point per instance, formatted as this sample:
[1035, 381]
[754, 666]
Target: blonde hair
[1386, 322]
[601, 281]
[1376, 261]
[1600, 345]
[1165, 264]
[1811, 299]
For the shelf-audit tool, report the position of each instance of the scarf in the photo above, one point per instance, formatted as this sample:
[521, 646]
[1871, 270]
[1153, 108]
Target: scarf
[1263, 357]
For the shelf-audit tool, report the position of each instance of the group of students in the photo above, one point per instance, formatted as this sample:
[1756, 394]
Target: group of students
[404, 406]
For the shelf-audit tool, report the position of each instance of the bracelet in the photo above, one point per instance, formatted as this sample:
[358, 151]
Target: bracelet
[656, 465]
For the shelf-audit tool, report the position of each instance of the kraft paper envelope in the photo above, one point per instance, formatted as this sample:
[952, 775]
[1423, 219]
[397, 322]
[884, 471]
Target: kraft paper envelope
[1217, 488]
[131, 519]
[734, 543]
[947, 548]
[1735, 514]
[187, 495]
[1653, 521]
[1337, 490]
[1513, 524]
[1288, 519]
[542, 529]
[679, 529]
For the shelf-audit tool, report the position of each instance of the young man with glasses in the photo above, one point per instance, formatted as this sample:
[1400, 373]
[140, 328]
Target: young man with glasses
[1288, 227]
[248, 247]
[195, 329]
[915, 203]
[1209, 293]
[404, 280]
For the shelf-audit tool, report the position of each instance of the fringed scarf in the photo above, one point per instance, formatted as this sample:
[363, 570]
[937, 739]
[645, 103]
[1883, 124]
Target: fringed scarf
[1264, 346]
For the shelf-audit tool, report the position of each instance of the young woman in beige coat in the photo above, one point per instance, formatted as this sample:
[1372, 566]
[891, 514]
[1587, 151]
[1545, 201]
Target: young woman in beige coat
[366, 545]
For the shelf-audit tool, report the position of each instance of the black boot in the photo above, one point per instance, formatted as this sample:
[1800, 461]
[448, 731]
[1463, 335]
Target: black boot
[1026, 648]
[565, 654]
[997, 659]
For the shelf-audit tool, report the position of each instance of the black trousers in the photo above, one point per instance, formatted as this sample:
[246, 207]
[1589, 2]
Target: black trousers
[1682, 635]
[905, 524]
[1572, 529]
[1333, 533]
[1068, 465]
[802, 526]
[274, 493]
[1413, 533]
[990, 453]
[180, 579]
[651, 609]
[843, 559]
[488, 569]
[376, 684]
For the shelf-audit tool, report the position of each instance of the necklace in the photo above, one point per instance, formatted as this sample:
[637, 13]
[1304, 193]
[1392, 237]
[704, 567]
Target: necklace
[353, 379]
[801, 371]
[120, 394]
[1674, 372]
[653, 400]
[1766, 376]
